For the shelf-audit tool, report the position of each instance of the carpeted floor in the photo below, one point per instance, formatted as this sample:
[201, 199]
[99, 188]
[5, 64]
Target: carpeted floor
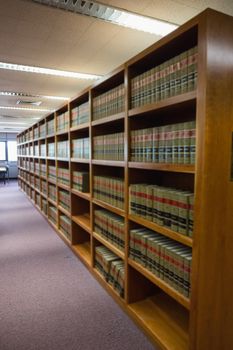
[48, 299]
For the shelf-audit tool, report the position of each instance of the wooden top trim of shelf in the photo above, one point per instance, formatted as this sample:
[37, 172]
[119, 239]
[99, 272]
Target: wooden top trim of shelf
[109, 245]
[80, 127]
[81, 194]
[65, 187]
[43, 195]
[164, 104]
[178, 168]
[161, 284]
[109, 162]
[83, 221]
[64, 211]
[61, 159]
[109, 119]
[109, 207]
[52, 202]
[80, 160]
[163, 230]
[54, 182]
[62, 132]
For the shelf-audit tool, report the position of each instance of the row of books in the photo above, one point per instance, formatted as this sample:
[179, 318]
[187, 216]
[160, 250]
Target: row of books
[42, 130]
[36, 132]
[36, 150]
[109, 103]
[80, 114]
[44, 205]
[169, 260]
[109, 190]
[110, 226]
[32, 179]
[174, 143]
[80, 148]
[63, 121]
[173, 77]
[43, 150]
[64, 199]
[37, 168]
[52, 192]
[37, 183]
[63, 176]
[37, 199]
[109, 147]
[81, 181]
[63, 149]
[165, 206]
[43, 169]
[52, 214]
[52, 172]
[111, 268]
[50, 127]
[51, 149]
[44, 187]
[33, 195]
[65, 226]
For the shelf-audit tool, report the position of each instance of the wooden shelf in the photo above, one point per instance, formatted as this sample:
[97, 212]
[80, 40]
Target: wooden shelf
[163, 230]
[62, 159]
[109, 207]
[64, 211]
[54, 182]
[109, 162]
[83, 251]
[109, 245]
[43, 195]
[83, 220]
[164, 320]
[110, 119]
[109, 288]
[181, 299]
[52, 202]
[184, 100]
[84, 195]
[178, 168]
[66, 239]
[62, 132]
[80, 127]
[65, 187]
[43, 177]
[80, 160]
[51, 158]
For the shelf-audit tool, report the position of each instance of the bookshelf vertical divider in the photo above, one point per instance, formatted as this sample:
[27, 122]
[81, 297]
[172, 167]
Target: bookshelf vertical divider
[158, 301]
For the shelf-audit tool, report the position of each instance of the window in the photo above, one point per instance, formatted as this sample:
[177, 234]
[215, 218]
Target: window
[12, 151]
[2, 150]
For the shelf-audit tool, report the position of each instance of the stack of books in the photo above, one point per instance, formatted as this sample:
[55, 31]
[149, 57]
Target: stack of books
[173, 77]
[51, 149]
[31, 166]
[31, 150]
[42, 130]
[167, 259]
[81, 181]
[110, 226]
[52, 214]
[44, 205]
[80, 114]
[50, 127]
[36, 133]
[37, 168]
[44, 187]
[165, 206]
[109, 103]
[111, 268]
[52, 172]
[63, 149]
[174, 143]
[36, 151]
[63, 176]
[37, 183]
[109, 190]
[63, 121]
[65, 226]
[80, 148]
[42, 169]
[109, 147]
[52, 192]
[43, 150]
[64, 199]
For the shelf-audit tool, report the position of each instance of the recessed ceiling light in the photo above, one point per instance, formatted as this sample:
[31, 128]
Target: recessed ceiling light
[27, 109]
[24, 94]
[47, 71]
[29, 103]
[114, 15]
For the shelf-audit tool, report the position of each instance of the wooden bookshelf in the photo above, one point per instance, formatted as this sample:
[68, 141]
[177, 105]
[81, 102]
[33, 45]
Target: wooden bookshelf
[172, 320]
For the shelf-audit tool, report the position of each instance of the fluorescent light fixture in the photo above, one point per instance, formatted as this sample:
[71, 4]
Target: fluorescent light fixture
[24, 94]
[114, 15]
[27, 109]
[47, 71]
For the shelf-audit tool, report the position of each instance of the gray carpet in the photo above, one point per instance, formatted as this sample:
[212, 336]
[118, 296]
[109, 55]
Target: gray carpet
[48, 299]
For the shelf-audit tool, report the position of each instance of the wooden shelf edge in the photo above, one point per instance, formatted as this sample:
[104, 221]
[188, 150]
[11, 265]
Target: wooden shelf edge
[79, 220]
[65, 239]
[64, 211]
[118, 163]
[65, 187]
[84, 195]
[109, 119]
[109, 245]
[80, 160]
[181, 299]
[178, 168]
[163, 230]
[51, 201]
[163, 104]
[79, 250]
[80, 127]
[109, 207]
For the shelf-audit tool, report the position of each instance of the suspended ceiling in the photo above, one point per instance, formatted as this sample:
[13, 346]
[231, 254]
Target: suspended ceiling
[37, 35]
